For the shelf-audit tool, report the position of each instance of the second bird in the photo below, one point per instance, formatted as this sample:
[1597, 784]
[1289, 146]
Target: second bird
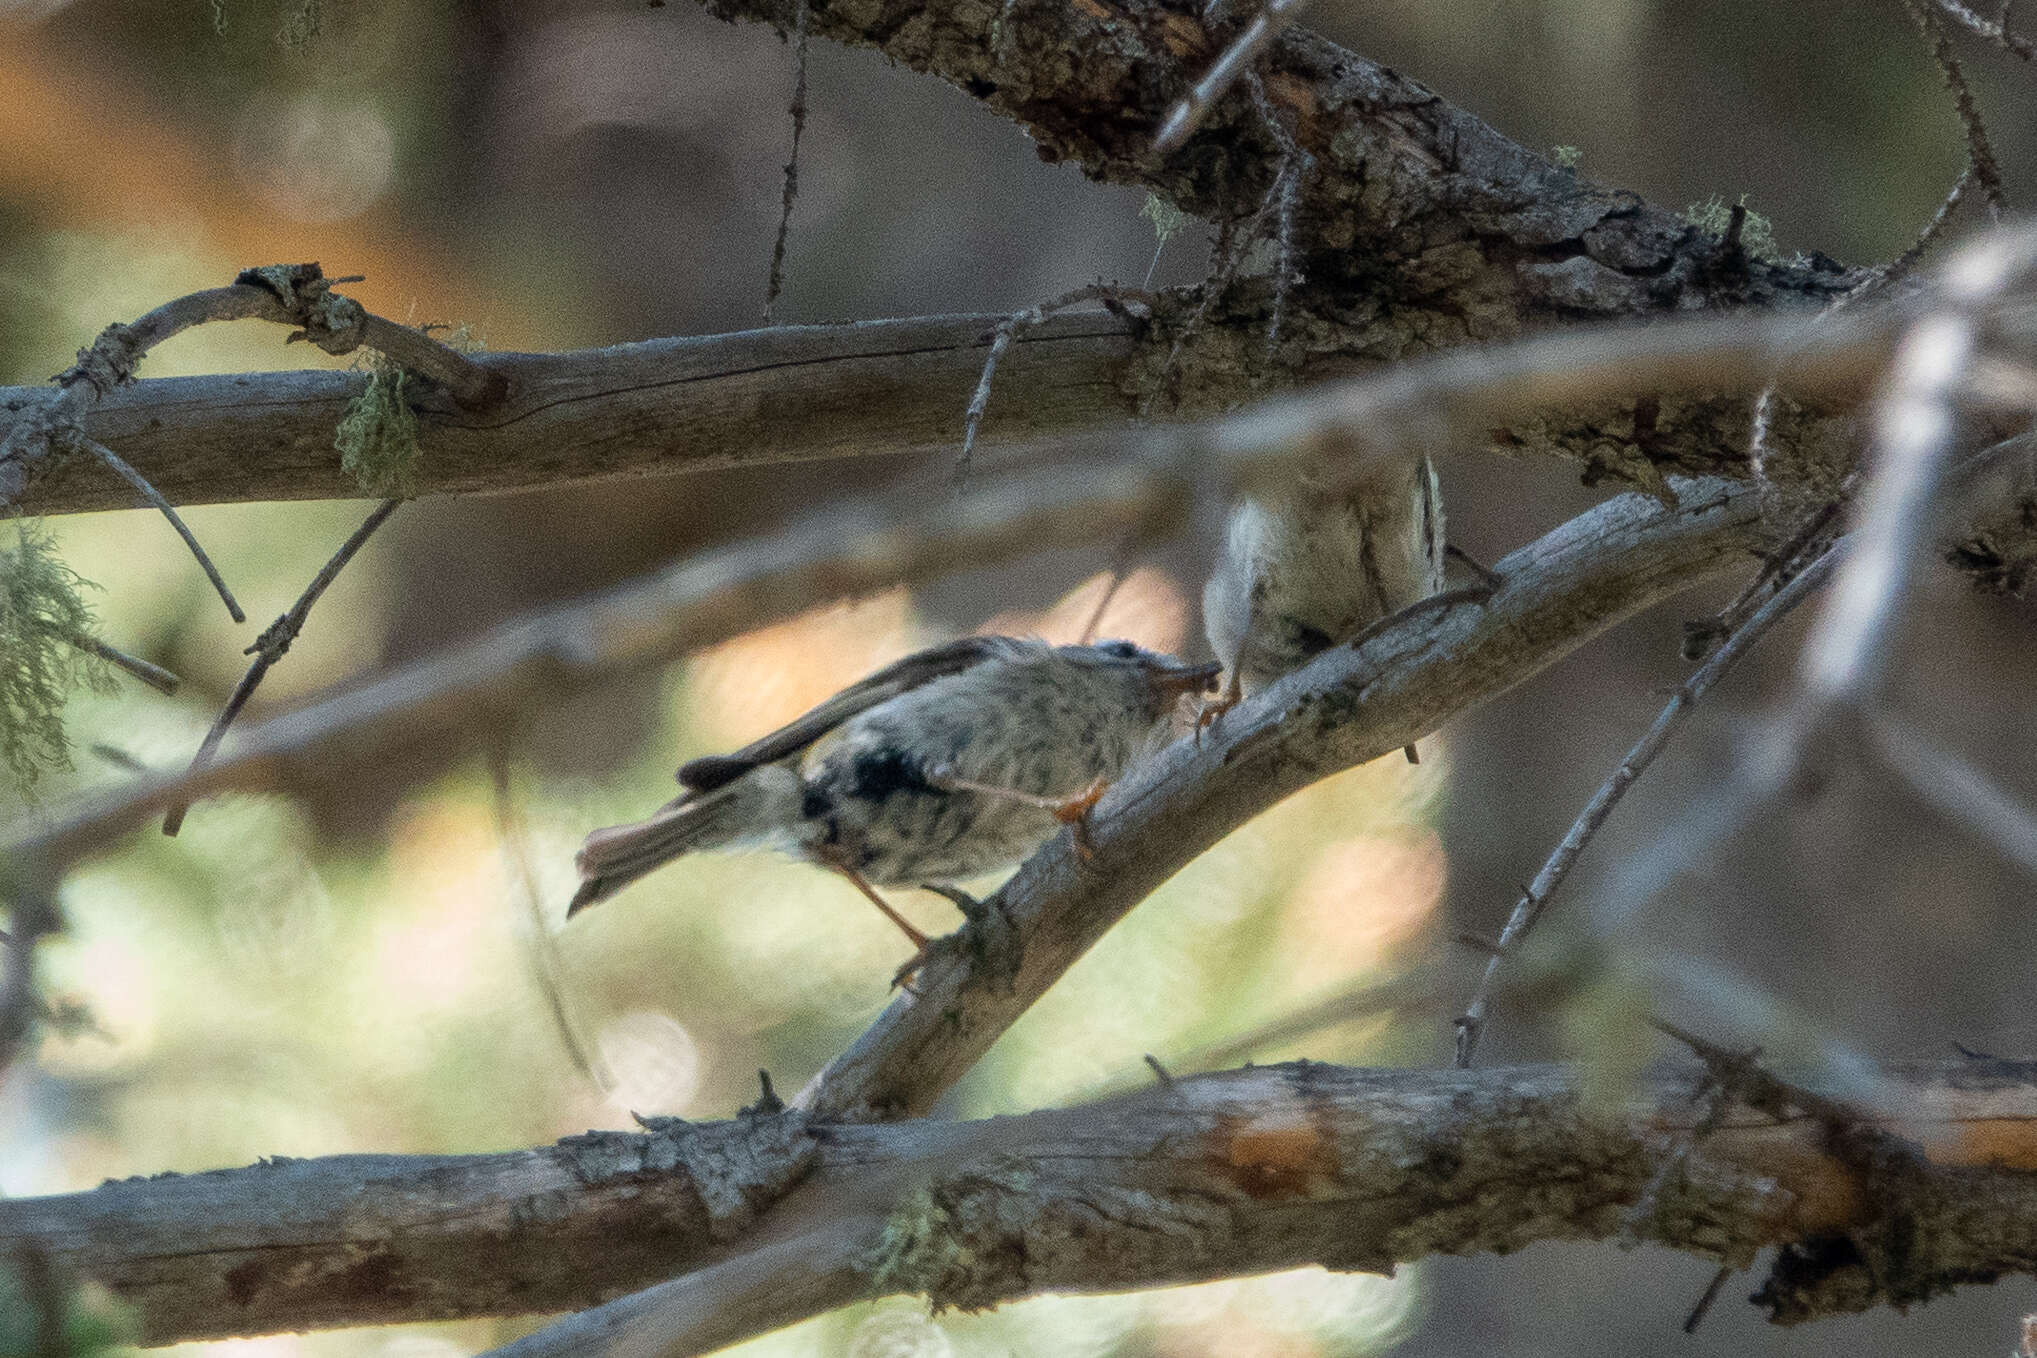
[1306, 568]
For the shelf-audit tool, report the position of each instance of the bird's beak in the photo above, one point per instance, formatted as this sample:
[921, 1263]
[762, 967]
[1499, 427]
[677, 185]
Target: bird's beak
[1171, 681]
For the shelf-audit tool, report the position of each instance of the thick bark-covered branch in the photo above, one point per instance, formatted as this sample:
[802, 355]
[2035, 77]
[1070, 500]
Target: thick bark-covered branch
[1351, 704]
[1421, 226]
[783, 395]
[1213, 1176]
[1136, 484]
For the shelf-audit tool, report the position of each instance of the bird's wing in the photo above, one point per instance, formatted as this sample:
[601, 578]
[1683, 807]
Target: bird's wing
[901, 676]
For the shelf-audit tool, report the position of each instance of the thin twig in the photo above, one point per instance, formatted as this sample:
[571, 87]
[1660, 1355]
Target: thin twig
[155, 497]
[857, 547]
[1813, 537]
[1757, 1087]
[271, 647]
[155, 676]
[1913, 423]
[1232, 245]
[1187, 115]
[1707, 1297]
[1987, 171]
[1001, 340]
[1296, 166]
[1955, 788]
[547, 966]
[1996, 31]
[1934, 229]
[790, 196]
[1715, 1094]
[1535, 900]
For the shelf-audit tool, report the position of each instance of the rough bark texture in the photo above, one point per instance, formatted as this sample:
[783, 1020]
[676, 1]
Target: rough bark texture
[1241, 1172]
[1349, 705]
[790, 394]
[1421, 226]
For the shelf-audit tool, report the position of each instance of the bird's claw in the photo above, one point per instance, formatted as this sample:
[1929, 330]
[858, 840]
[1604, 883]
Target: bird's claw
[1074, 813]
[1209, 709]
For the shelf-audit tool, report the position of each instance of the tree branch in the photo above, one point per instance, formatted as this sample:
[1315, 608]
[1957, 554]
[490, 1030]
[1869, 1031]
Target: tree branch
[790, 394]
[1210, 1176]
[862, 546]
[1353, 703]
[1422, 223]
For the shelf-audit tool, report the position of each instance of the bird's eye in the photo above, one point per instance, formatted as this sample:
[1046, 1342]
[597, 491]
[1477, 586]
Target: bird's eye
[1123, 650]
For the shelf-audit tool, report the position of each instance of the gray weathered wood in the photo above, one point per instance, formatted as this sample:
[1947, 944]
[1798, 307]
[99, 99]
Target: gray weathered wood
[1239, 1172]
[788, 394]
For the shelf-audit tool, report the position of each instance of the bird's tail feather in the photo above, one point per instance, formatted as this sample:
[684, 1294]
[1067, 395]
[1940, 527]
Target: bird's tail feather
[614, 857]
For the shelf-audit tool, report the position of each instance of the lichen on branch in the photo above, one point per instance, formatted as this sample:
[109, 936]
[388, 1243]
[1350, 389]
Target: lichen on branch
[42, 610]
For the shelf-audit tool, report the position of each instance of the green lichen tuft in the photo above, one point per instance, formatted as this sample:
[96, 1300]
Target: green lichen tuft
[377, 436]
[41, 610]
[1569, 157]
[918, 1251]
[1757, 233]
[1165, 217]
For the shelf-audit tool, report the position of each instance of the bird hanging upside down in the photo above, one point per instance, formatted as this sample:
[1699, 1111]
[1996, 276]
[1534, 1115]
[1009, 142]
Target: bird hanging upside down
[1306, 568]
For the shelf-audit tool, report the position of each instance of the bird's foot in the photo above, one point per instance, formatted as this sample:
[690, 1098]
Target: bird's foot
[1209, 709]
[1074, 812]
[991, 940]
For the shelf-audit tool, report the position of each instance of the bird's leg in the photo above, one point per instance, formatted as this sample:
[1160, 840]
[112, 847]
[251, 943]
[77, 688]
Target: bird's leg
[1072, 811]
[920, 943]
[1208, 709]
[919, 940]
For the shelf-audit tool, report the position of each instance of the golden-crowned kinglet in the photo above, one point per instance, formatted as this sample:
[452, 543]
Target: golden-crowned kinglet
[1303, 569]
[951, 762]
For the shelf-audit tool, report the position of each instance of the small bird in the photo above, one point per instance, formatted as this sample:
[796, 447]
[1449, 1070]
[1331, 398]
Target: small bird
[1305, 568]
[954, 761]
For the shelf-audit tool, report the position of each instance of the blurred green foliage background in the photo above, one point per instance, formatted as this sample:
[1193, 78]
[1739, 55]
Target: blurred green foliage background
[353, 966]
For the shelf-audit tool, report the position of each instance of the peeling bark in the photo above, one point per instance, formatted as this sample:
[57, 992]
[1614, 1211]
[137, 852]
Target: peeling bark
[1211, 1176]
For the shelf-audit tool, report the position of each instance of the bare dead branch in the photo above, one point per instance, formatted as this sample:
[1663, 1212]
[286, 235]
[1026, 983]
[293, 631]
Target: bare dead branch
[168, 511]
[1458, 399]
[1987, 171]
[797, 111]
[863, 546]
[1001, 337]
[872, 388]
[1528, 909]
[273, 644]
[1208, 1176]
[1996, 31]
[1402, 171]
[155, 676]
[1348, 706]
[1955, 788]
[1235, 60]
[1914, 423]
